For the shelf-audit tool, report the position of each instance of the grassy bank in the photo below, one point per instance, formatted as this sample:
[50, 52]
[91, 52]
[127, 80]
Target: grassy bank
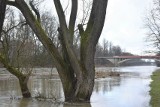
[155, 89]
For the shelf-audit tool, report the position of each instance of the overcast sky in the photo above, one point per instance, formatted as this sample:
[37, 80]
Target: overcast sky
[124, 25]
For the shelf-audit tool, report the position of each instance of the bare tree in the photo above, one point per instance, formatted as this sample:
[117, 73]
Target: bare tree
[50, 25]
[11, 45]
[105, 47]
[116, 50]
[77, 75]
[152, 23]
[87, 5]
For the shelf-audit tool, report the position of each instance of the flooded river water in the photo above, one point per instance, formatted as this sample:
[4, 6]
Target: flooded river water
[128, 90]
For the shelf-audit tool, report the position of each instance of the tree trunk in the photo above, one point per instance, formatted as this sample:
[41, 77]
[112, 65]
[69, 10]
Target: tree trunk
[2, 13]
[82, 95]
[23, 78]
[24, 88]
[77, 75]
[78, 90]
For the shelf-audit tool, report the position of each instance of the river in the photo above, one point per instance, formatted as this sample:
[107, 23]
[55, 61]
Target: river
[128, 90]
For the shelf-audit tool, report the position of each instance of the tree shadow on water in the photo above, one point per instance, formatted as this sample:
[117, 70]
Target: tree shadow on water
[77, 105]
[23, 102]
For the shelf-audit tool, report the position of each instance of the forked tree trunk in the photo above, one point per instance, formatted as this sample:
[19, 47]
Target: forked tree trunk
[81, 93]
[77, 75]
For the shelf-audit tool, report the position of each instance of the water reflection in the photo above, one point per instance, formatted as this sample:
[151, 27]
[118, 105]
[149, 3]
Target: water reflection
[50, 88]
[8, 87]
[24, 102]
[46, 88]
[77, 105]
[107, 84]
[35, 103]
[108, 92]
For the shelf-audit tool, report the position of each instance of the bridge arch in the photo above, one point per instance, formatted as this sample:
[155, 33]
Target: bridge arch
[117, 60]
[103, 61]
[128, 62]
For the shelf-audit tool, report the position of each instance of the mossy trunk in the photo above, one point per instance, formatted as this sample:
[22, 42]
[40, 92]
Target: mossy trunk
[82, 95]
[24, 88]
[78, 90]
[23, 78]
[76, 74]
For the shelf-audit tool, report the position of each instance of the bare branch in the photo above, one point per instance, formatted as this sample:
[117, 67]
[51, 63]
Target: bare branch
[20, 23]
[35, 10]
[61, 15]
[152, 24]
[73, 17]
[12, 3]
[87, 5]
[2, 13]
[66, 7]
[40, 33]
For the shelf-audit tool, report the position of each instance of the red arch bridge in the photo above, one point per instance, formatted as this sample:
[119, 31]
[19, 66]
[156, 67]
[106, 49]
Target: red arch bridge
[116, 60]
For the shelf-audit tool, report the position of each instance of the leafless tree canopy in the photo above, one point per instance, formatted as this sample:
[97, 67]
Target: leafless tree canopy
[76, 71]
[153, 25]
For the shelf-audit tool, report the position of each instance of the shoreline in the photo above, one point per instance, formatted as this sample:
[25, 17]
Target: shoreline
[155, 89]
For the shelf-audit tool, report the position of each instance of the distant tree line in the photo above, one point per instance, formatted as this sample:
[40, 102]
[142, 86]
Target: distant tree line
[108, 49]
[23, 49]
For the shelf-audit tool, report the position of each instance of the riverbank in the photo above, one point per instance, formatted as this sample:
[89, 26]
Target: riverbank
[130, 89]
[155, 89]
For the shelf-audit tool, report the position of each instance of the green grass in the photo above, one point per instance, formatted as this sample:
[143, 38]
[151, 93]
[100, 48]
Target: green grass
[155, 89]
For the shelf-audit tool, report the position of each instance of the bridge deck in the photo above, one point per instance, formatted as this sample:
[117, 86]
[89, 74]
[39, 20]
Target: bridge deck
[129, 57]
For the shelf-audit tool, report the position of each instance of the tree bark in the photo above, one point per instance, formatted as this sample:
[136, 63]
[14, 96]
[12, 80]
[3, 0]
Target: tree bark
[24, 88]
[73, 17]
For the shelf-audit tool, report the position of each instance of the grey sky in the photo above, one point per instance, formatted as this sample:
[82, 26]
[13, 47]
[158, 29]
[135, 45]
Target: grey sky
[124, 25]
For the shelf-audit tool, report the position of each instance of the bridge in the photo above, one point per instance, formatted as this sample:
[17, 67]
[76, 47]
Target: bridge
[116, 60]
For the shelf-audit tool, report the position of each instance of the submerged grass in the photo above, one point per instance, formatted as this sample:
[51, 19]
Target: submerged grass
[155, 89]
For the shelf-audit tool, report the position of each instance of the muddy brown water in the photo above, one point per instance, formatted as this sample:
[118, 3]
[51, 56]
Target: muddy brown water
[128, 90]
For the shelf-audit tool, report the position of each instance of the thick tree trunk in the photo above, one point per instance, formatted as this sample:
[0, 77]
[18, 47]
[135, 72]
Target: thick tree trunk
[82, 95]
[77, 75]
[79, 91]
[24, 88]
